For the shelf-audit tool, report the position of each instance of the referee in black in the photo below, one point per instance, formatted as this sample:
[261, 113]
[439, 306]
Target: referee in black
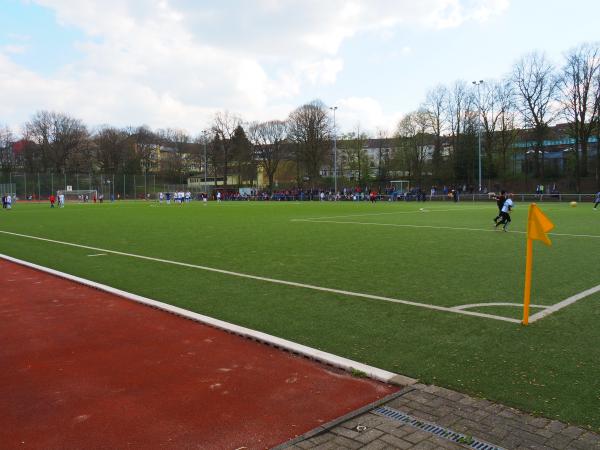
[500, 199]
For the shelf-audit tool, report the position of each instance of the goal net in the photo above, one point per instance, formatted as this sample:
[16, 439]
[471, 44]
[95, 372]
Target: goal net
[81, 195]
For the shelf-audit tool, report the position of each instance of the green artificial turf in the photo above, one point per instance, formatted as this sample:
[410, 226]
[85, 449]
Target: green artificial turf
[394, 250]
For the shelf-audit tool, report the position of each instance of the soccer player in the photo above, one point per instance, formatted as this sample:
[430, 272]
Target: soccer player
[52, 200]
[500, 199]
[61, 200]
[218, 196]
[8, 201]
[597, 200]
[505, 213]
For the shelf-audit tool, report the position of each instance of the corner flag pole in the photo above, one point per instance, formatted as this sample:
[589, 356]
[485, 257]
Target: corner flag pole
[527, 294]
[537, 227]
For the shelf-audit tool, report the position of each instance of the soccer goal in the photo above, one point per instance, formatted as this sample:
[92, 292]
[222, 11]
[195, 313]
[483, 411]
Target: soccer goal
[81, 195]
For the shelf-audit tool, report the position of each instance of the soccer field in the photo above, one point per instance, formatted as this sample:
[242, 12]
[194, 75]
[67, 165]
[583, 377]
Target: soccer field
[430, 291]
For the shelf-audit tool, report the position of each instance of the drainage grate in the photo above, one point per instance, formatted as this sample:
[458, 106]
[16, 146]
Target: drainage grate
[442, 432]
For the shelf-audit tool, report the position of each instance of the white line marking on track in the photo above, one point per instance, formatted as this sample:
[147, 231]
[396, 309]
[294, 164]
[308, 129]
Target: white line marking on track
[98, 254]
[319, 355]
[272, 280]
[493, 230]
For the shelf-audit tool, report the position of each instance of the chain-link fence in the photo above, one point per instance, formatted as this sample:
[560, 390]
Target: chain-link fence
[34, 186]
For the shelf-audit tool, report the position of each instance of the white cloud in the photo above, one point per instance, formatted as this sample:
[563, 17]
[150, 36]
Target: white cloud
[174, 63]
[365, 112]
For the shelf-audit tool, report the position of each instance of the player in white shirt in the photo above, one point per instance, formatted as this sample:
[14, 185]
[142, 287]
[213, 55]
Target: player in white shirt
[8, 201]
[188, 196]
[505, 213]
[160, 197]
[218, 196]
[597, 200]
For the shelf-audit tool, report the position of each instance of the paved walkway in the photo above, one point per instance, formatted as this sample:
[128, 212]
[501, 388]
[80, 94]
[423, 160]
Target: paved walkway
[477, 424]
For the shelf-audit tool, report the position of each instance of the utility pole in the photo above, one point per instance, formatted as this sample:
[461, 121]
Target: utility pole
[478, 84]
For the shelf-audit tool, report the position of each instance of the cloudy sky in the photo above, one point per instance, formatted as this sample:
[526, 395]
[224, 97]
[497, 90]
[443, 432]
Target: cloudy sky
[174, 63]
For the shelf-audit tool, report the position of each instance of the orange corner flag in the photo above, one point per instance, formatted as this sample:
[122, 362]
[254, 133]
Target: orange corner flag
[538, 225]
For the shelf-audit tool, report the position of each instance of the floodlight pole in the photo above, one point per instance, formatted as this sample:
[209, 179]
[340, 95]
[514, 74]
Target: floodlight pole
[334, 109]
[478, 84]
[204, 133]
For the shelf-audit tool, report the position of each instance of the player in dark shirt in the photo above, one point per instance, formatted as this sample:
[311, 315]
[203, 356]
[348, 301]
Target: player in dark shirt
[500, 199]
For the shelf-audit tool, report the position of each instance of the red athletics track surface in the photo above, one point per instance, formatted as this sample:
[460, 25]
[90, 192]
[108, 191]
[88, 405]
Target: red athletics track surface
[81, 368]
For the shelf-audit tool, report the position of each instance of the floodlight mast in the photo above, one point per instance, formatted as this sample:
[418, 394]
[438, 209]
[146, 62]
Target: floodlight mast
[205, 133]
[478, 84]
[334, 109]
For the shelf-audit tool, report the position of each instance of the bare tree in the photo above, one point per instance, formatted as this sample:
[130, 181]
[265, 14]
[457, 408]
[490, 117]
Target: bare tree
[383, 156]
[460, 118]
[413, 134]
[435, 104]
[56, 137]
[310, 130]
[114, 149]
[578, 83]
[355, 155]
[536, 87]
[145, 141]
[270, 147]
[7, 157]
[506, 128]
[224, 126]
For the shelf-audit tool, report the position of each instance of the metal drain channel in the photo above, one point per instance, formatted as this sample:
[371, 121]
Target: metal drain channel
[432, 428]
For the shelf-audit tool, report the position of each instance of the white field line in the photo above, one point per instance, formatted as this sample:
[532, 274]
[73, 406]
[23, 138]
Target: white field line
[327, 358]
[566, 302]
[271, 280]
[98, 254]
[478, 305]
[436, 227]
[423, 210]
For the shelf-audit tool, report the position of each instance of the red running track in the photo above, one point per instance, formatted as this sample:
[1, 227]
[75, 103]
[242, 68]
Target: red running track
[81, 368]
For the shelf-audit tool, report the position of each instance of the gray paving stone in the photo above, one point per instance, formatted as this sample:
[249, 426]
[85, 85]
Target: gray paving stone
[396, 442]
[444, 443]
[342, 431]
[572, 431]
[425, 445]
[321, 438]
[370, 435]
[555, 426]
[559, 441]
[417, 436]
[343, 442]
[375, 445]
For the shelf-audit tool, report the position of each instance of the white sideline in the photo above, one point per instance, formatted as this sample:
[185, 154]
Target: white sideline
[481, 305]
[273, 280]
[416, 211]
[312, 353]
[436, 227]
[563, 304]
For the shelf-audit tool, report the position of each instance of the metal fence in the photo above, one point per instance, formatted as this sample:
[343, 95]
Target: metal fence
[39, 186]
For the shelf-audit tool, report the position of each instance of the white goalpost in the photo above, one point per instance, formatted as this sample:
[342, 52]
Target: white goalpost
[79, 195]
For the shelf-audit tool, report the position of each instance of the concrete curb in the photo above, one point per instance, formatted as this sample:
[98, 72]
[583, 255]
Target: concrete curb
[309, 352]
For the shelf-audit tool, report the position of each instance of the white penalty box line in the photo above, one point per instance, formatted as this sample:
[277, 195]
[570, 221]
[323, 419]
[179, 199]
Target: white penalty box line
[452, 310]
